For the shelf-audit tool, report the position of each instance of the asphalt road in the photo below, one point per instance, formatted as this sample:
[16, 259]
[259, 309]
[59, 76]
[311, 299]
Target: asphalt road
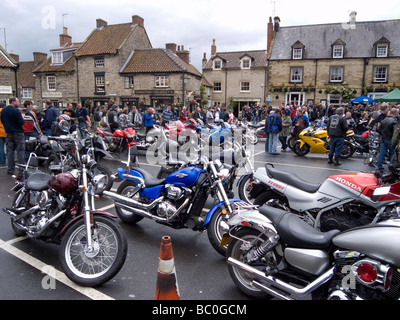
[201, 272]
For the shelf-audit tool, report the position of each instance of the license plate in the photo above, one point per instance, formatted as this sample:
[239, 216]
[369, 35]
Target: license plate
[225, 239]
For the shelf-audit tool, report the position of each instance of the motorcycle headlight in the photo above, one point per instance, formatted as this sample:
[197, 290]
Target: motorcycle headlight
[381, 191]
[99, 181]
[149, 139]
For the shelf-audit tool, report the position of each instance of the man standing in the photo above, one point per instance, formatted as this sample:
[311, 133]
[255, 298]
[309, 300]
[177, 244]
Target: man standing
[337, 128]
[273, 125]
[12, 120]
[386, 129]
[31, 126]
[167, 116]
[82, 114]
[49, 118]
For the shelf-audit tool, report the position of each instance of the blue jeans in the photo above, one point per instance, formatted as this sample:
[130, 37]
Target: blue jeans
[2, 151]
[386, 145]
[273, 142]
[337, 144]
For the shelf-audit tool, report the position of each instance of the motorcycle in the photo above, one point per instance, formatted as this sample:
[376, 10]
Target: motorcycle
[178, 200]
[67, 150]
[274, 253]
[117, 142]
[316, 141]
[360, 142]
[60, 209]
[341, 202]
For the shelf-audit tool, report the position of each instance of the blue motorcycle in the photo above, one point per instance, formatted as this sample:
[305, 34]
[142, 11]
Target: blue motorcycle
[178, 200]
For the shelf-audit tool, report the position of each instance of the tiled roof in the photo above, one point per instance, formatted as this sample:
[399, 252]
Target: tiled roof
[106, 40]
[318, 39]
[5, 60]
[68, 66]
[232, 59]
[25, 74]
[157, 60]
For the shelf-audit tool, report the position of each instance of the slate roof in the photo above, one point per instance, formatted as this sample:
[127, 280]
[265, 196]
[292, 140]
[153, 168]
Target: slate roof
[5, 60]
[25, 74]
[232, 59]
[106, 40]
[46, 66]
[317, 39]
[157, 60]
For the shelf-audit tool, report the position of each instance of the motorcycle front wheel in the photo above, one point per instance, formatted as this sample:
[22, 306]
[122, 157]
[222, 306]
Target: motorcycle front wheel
[244, 188]
[301, 151]
[93, 268]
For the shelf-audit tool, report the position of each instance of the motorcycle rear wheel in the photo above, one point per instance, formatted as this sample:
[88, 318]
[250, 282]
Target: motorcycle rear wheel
[301, 151]
[91, 269]
[241, 278]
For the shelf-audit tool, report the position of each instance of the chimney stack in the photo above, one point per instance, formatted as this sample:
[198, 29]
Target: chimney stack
[276, 24]
[270, 33]
[65, 39]
[353, 15]
[38, 58]
[204, 61]
[14, 56]
[183, 54]
[213, 48]
[100, 23]
[171, 46]
[138, 20]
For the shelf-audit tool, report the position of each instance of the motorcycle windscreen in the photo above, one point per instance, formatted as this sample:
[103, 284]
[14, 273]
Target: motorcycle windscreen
[185, 177]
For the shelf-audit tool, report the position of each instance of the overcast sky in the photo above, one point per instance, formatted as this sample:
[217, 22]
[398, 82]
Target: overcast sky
[235, 24]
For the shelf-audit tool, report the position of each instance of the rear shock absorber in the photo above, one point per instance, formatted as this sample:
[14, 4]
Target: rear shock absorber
[263, 249]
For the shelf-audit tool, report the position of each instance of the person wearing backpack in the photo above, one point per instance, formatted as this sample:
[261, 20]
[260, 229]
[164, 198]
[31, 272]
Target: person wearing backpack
[337, 127]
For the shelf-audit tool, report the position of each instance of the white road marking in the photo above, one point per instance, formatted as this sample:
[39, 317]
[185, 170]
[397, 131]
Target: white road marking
[60, 276]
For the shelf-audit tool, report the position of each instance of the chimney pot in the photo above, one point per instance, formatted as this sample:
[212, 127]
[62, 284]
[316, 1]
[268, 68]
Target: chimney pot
[138, 20]
[213, 48]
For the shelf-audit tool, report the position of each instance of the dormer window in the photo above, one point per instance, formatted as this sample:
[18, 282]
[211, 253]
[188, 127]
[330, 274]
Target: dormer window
[217, 64]
[337, 52]
[57, 58]
[382, 50]
[297, 53]
[246, 63]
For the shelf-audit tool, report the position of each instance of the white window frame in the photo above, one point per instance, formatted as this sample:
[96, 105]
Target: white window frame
[382, 50]
[57, 58]
[51, 83]
[27, 93]
[100, 82]
[245, 86]
[129, 82]
[296, 77]
[217, 87]
[338, 51]
[336, 74]
[217, 64]
[248, 63]
[99, 62]
[378, 74]
[161, 81]
[297, 53]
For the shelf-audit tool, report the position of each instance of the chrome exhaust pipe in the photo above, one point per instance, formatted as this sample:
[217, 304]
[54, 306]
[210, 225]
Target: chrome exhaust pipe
[131, 202]
[23, 214]
[281, 285]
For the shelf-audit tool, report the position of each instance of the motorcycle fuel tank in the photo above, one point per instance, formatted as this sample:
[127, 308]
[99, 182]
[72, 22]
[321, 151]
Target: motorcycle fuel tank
[185, 177]
[378, 241]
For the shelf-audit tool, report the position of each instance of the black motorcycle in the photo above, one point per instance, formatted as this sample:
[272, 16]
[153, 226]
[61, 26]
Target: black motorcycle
[60, 209]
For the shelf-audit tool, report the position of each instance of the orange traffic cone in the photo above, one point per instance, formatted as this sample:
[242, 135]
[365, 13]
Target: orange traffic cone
[167, 284]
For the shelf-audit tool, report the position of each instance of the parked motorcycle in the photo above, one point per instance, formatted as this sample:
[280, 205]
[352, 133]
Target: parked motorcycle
[178, 200]
[117, 141]
[274, 253]
[359, 142]
[60, 209]
[316, 141]
[341, 202]
[67, 151]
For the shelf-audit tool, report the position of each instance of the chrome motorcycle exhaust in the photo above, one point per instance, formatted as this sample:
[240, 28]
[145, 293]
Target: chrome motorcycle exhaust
[18, 216]
[130, 202]
[281, 285]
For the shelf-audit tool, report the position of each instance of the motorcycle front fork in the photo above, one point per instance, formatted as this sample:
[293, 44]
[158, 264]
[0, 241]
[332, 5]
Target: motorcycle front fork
[87, 212]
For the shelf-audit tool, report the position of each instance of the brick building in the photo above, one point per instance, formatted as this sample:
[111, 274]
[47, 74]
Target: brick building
[311, 63]
[237, 77]
[8, 77]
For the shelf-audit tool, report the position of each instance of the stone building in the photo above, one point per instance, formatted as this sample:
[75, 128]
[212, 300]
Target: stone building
[8, 77]
[160, 77]
[237, 78]
[313, 63]
[103, 55]
[56, 77]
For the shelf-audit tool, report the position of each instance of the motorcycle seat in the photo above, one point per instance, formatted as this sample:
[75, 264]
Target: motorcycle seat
[295, 232]
[38, 181]
[149, 179]
[293, 180]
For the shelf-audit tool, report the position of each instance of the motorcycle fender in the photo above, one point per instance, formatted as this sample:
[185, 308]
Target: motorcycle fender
[301, 143]
[251, 218]
[214, 209]
[92, 213]
[244, 176]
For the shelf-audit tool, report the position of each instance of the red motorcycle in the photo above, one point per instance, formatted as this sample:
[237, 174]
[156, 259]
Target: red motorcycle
[118, 141]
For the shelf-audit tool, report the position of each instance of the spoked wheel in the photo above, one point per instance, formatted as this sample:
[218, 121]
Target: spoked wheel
[245, 188]
[94, 267]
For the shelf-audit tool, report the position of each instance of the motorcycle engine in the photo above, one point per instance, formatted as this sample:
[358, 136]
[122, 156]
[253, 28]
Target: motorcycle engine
[166, 209]
[176, 196]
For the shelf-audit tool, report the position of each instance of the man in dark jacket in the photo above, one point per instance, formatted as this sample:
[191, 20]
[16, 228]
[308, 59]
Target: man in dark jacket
[273, 125]
[386, 129]
[12, 120]
[49, 118]
[337, 128]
